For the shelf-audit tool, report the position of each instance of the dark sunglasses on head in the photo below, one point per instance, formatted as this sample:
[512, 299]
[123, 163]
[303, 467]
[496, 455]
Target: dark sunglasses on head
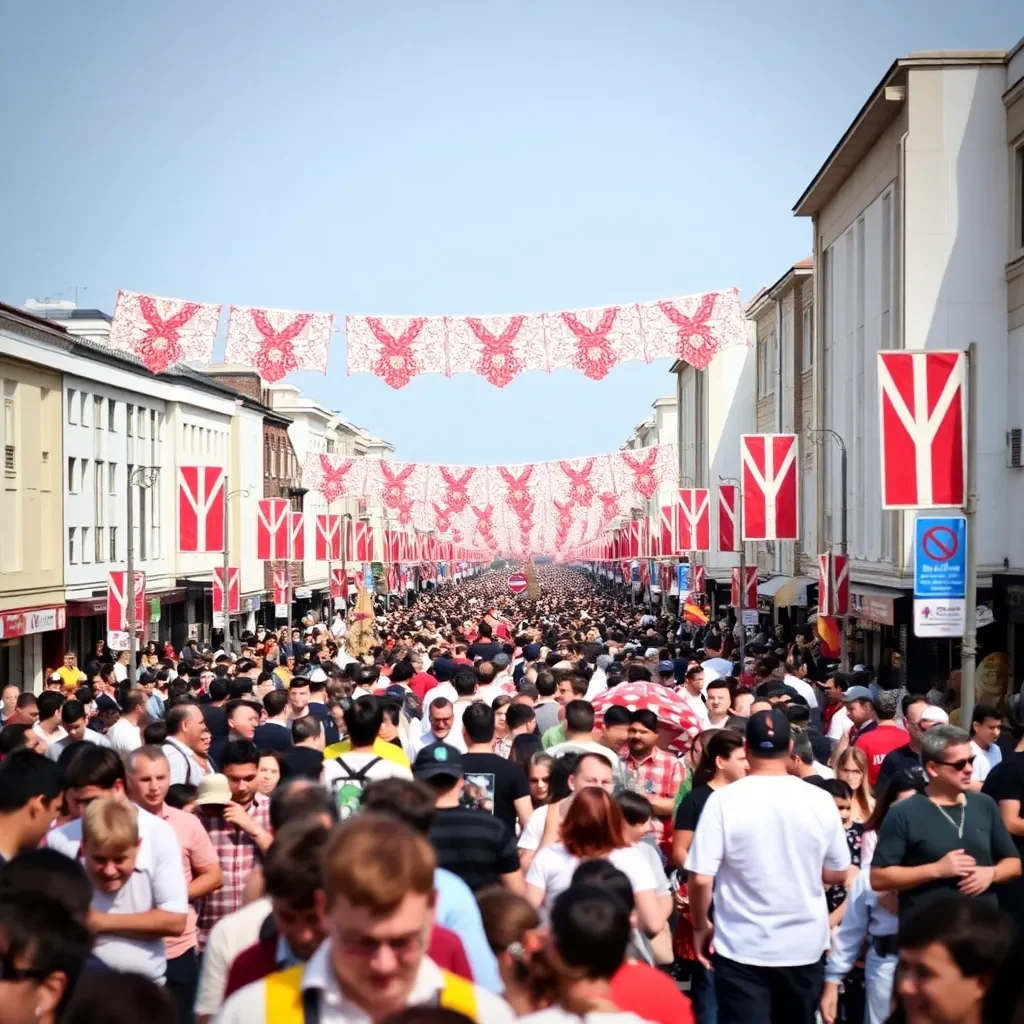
[960, 765]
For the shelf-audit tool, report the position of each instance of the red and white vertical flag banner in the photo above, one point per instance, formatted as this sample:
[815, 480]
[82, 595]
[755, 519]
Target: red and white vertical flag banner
[833, 585]
[160, 332]
[298, 536]
[273, 529]
[922, 405]
[360, 541]
[328, 538]
[280, 586]
[339, 583]
[769, 493]
[234, 590]
[750, 597]
[727, 532]
[277, 341]
[694, 523]
[200, 508]
[667, 523]
[698, 579]
[117, 600]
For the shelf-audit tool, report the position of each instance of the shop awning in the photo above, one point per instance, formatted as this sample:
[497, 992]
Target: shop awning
[785, 590]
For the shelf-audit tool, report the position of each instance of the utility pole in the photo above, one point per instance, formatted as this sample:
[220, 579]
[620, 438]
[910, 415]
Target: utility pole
[226, 603]
[743, 564]
[346, 522]
[968, 646]
[817, 436]
[142, 477]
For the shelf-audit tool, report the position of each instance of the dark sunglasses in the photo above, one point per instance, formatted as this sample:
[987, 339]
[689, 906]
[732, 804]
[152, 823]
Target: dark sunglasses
[960, 765]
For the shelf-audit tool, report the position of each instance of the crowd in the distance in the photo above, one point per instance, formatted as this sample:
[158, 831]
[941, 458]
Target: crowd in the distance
[469, 822]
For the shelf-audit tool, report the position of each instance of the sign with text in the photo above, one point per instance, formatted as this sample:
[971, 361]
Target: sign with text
[940, 576]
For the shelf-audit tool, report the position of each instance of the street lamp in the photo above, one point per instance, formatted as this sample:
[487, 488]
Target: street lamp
[818, 436]
[226, 602]
[742, 589]
[142, 477]
[346, 520]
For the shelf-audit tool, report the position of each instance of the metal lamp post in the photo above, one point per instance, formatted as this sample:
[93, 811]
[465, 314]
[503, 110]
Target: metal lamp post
[142, 477]
[228, 495]
[743, 564]
[817, 436]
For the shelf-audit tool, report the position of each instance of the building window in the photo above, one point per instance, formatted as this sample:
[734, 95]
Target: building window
[111, 415]
[766, 366]
[10, 429]
[152, 424]
[84, 472]
[83, 412]
[100, 551]
[886, 267]
[112, 478]
[72, 406]
[113, 544]
[130, 424]
[86, 553]
[99, 496]
[72, 475]
[142, 422]
[72, 538]
[97, 411]
[807, 339]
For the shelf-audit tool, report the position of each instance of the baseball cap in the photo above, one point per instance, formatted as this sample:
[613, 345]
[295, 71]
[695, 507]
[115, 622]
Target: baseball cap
[857, 693]
[666, 667]
[768, 733]
[437, 760]
[934, 714]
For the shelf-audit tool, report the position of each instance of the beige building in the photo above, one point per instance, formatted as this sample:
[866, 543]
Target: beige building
[32, 607]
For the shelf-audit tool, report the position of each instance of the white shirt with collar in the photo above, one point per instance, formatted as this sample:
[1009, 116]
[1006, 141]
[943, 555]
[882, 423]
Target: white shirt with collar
[248, 1005]
[185, 769]
[697, 706]
[802, 687]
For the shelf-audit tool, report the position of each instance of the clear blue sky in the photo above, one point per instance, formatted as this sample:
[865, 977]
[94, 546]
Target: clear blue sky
[453, 156]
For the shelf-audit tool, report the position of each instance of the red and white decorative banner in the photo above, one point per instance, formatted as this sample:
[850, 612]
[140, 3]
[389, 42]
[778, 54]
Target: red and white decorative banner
[273, 529]
[533, 507]
[698, 579]
[727, 532]
[234, 590]
[694, 518]
[833, 585]
[922, 405]
[161, 332]
[280, 586]
[200, 508]
[360, 541]
[117, 601]
[668, 519]
[328, 538]
[277, 341]
[750, 597]
[298, 536]
[339, 583]
[692, 328]
[769, 486]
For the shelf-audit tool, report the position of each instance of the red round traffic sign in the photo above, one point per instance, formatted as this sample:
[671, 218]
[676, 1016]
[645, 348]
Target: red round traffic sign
[517, 583]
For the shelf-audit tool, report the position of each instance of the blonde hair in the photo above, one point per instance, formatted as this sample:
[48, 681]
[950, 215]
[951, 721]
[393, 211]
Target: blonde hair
[374, 861]
[109, 824]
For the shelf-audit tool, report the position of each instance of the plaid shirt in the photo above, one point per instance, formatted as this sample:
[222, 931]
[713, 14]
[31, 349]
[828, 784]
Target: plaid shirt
[238, 854]
[659, 775]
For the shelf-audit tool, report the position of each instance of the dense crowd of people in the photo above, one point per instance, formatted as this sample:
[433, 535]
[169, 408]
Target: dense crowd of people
[490, 814]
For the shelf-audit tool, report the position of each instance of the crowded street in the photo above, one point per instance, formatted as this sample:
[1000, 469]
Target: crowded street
[509, 513]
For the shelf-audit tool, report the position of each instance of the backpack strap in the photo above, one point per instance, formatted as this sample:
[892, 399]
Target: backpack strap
[459, 995]
[356, 776]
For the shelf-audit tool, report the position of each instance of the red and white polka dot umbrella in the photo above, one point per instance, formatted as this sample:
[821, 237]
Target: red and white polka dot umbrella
[672, 711]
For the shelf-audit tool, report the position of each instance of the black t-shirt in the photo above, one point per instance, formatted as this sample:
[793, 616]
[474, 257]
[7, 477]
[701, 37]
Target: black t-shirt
[1006, 782]
[691, 807]
[494, 784]
[915, 832]
[273, 736]
[303, 762]
[898, 760]
[483, 649]
[216, 719]
[473, 845]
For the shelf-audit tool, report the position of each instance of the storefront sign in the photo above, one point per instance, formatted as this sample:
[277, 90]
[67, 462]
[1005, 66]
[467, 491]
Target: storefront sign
[872, 607]
[252, 604]
[31, 620]
[117, 640]
[154, 609]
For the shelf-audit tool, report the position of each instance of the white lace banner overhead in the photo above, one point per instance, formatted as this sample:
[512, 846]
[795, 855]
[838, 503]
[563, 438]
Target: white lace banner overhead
[161, 332]
[538, 506]
[692, 328]
[276, 341]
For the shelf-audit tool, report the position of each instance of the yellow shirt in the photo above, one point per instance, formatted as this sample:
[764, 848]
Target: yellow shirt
[381, 748]
[72, 678]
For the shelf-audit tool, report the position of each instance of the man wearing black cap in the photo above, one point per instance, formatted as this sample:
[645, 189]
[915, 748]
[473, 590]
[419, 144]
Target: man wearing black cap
[473, 844]
[766, 845]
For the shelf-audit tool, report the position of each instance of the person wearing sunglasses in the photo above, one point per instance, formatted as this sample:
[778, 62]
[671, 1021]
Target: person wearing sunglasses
[948, 838]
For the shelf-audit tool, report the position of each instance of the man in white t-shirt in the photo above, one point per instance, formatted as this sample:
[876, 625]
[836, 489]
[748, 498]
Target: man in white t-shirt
[715, 666]
[986, 724]
[766, 846]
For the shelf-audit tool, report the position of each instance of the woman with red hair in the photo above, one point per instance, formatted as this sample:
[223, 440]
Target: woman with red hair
[593, 828]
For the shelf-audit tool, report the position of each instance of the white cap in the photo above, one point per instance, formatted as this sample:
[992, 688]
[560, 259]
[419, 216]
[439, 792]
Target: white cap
[934, 714]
